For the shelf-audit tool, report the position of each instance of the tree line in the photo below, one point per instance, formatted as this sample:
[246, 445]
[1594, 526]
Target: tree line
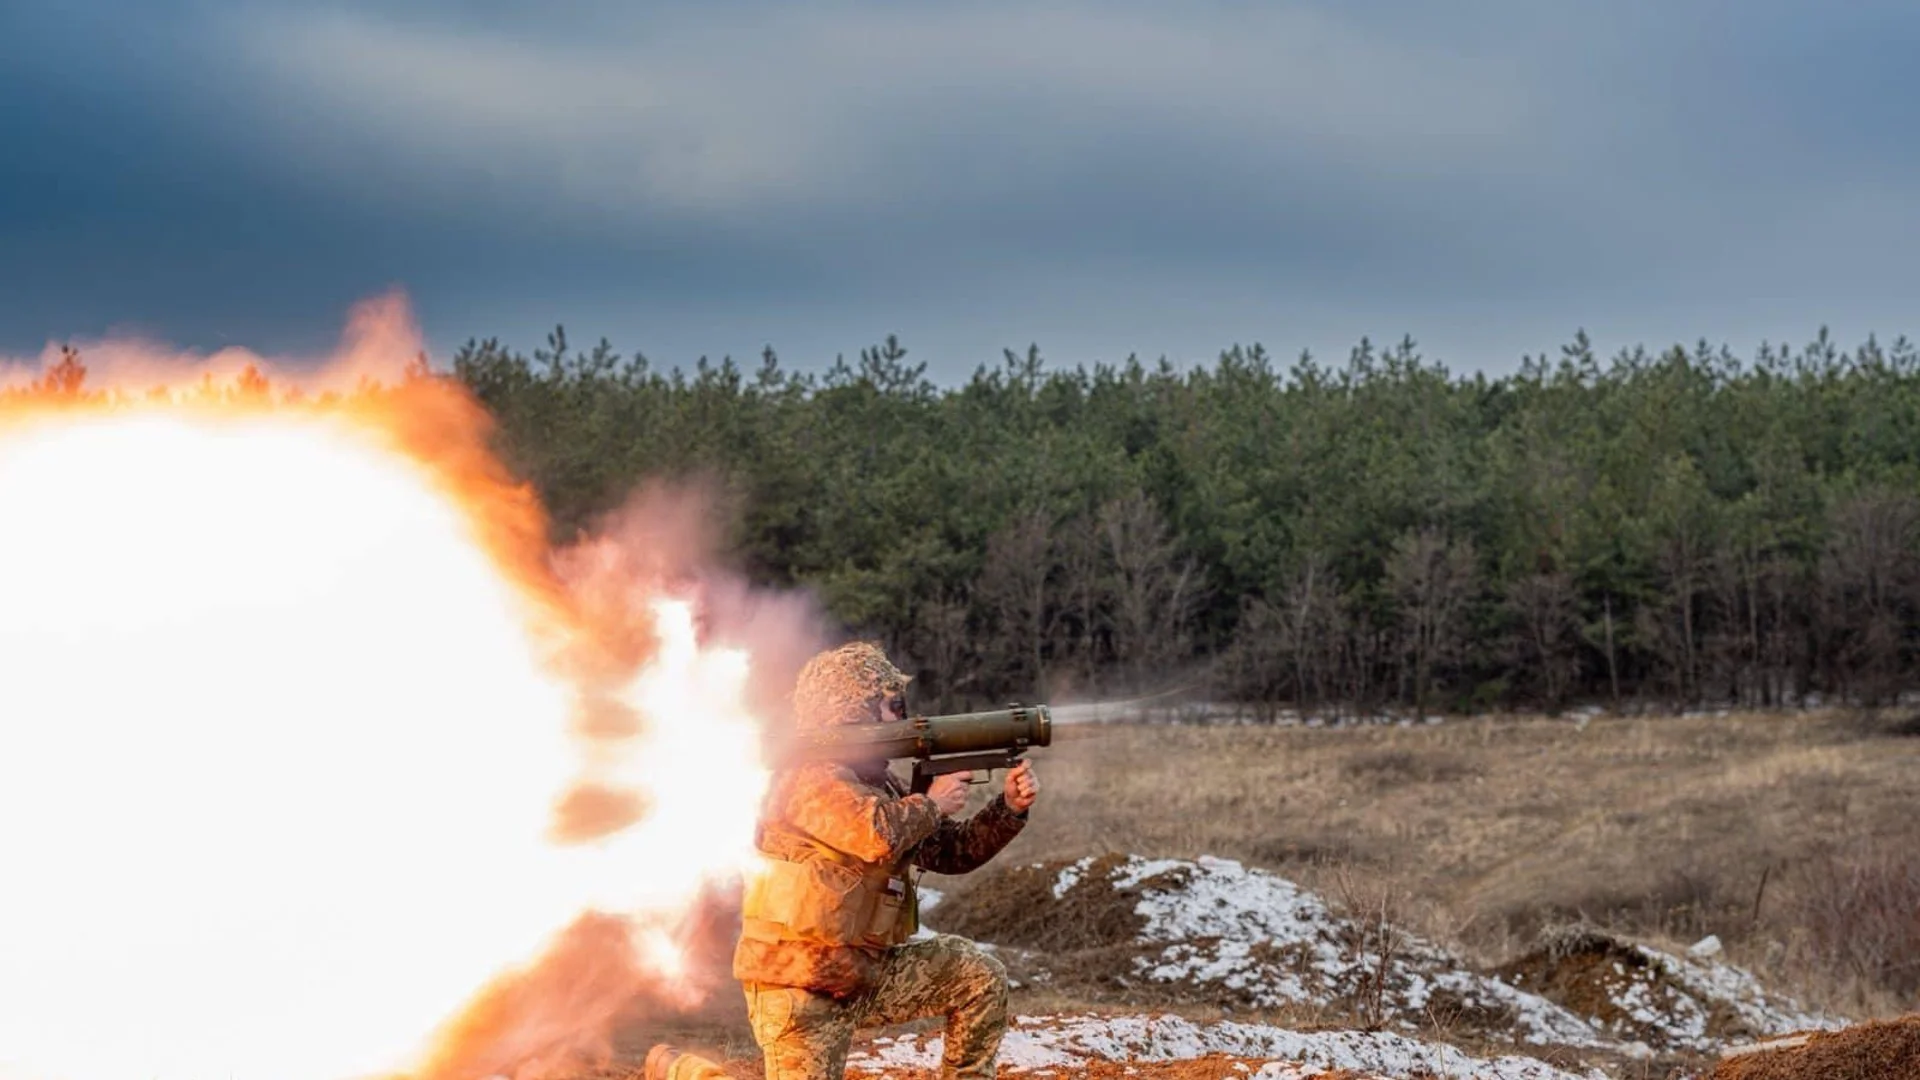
[1682, 527]
[1685, 527]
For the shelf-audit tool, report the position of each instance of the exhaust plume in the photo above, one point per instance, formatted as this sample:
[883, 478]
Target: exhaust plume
[317, 762]
[1093, 712]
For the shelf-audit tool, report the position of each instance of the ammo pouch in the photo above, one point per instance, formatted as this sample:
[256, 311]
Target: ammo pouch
[829, 897]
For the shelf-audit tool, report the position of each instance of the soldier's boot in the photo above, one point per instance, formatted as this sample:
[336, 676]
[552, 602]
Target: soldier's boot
[671, 1063]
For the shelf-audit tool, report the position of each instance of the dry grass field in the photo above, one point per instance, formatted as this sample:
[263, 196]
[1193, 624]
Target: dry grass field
[1794, 838]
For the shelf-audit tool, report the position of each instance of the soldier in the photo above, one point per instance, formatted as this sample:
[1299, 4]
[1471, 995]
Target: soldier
[824, 944]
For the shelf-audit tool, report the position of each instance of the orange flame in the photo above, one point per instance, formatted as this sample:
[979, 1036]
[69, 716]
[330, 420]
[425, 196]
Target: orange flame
[311, 748]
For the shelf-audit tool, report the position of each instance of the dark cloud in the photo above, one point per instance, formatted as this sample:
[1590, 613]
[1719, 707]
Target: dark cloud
[1101, 179]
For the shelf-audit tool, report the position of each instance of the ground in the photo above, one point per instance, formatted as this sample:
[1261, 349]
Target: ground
[1576, 859]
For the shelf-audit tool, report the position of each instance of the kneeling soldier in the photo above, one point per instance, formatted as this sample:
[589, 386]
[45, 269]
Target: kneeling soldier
[824, 944]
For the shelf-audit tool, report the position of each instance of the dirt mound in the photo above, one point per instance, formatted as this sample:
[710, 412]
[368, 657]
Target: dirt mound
[1041, 907]
[1887, 1050]
[1135, 931]
[1638, 994]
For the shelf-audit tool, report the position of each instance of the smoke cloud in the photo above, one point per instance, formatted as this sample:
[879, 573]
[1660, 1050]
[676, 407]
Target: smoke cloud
[593, 608]
[380, 343]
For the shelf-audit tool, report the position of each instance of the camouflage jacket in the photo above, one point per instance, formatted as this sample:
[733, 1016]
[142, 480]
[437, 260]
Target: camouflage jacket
[868, 814]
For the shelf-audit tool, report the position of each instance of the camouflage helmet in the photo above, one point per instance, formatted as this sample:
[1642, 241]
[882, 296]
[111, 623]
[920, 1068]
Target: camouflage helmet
[841, 686]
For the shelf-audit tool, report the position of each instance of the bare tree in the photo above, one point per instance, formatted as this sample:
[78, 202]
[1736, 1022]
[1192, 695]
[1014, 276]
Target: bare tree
[1016, 587]
[941, 638]
[1687, 532]
[1314, 625]
[1546, 608]
[1367, 649]
[1289, 647]
[1433, 578]
[1257, 665]
[1756, 594]
[1869, 586]
[1783, 598]
[1154, 589]
[1082, 593]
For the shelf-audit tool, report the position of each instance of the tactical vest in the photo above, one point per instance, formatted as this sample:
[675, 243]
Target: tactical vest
[808, 891]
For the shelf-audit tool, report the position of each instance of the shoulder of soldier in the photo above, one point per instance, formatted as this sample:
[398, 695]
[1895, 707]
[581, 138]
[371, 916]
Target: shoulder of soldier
[815, 775]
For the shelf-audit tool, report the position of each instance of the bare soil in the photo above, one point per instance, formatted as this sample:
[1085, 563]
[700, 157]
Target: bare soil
[1591, 973]
[1884, 1050]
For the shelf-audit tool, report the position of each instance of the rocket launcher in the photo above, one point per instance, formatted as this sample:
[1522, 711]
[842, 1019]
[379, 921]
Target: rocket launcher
[937, 745]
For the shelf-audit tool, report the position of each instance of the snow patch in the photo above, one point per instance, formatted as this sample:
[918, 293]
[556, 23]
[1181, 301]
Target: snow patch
[1669, 1002]
[928, 899]
[1270, 943]
[1716, 985]
[1070, 877]
[1063, 1042]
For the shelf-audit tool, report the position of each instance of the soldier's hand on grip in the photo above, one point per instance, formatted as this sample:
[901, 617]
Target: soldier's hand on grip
[949, 792]
[1022, 787]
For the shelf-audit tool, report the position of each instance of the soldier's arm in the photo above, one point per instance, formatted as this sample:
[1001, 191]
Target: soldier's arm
[833, 806]
[957, 847]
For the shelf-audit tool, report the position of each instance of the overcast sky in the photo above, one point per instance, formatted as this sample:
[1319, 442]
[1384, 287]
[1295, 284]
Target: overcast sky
[1099, 178]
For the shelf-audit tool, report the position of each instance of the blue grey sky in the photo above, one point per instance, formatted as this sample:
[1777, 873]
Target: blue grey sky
[1098, 178]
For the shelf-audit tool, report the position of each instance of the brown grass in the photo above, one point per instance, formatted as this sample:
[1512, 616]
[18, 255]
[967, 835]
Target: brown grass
[1856, 911]
[1493, 828]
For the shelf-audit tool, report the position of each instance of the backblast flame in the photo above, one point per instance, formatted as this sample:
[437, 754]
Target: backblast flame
[288, 699]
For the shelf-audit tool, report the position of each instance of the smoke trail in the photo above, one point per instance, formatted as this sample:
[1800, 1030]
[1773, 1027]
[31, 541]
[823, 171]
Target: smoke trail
[1095, 712]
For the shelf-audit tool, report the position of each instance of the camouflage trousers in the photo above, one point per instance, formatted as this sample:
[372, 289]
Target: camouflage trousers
[805, 1036]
